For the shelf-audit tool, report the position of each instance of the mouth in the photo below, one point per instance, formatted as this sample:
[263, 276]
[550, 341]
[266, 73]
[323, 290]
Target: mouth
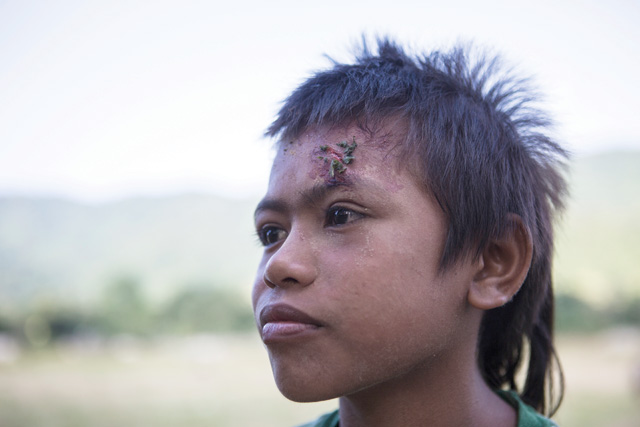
[281, 322]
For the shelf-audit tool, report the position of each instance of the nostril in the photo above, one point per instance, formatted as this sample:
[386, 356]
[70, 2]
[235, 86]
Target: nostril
[268, 282]
[280, 283]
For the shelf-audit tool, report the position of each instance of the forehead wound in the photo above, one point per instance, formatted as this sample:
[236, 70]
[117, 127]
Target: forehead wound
[333, 160]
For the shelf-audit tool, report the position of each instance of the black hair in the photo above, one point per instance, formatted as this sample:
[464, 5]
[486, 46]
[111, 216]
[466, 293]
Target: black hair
[482, 149]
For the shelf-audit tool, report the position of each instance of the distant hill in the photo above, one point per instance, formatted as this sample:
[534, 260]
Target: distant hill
[68, 251]
[64, 250]
[598, 240]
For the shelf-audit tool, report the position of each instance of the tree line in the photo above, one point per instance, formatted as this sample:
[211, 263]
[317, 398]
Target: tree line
[123, 308]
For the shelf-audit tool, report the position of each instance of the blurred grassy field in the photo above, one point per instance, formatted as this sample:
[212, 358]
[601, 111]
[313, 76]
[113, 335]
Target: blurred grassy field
[226, 381]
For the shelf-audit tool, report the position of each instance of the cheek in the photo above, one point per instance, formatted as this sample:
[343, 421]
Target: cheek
[395, 290]
[403, 260]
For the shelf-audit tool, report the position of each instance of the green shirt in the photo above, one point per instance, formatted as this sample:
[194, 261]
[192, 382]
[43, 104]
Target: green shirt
[527, 416]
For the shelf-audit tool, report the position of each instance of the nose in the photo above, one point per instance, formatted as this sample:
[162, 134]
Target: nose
[293, 264]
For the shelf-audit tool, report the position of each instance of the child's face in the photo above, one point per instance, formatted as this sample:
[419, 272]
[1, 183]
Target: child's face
[348, 294]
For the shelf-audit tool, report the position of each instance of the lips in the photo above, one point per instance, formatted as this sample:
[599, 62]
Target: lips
[282, 322]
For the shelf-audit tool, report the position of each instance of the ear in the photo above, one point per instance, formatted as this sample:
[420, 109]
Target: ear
[502, 267]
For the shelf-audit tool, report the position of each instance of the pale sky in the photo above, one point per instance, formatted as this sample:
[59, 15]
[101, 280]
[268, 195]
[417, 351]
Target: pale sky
[101, 100]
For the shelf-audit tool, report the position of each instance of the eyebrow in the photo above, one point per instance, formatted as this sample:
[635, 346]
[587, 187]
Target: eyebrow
[311, 196]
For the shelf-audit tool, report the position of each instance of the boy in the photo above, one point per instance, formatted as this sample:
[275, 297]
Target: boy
[407, 232]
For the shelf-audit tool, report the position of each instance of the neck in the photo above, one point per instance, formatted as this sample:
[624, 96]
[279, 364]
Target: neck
[441, 392]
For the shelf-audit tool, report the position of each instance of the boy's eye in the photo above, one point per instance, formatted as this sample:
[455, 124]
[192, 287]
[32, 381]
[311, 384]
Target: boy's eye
[341, 216]
[269, 235]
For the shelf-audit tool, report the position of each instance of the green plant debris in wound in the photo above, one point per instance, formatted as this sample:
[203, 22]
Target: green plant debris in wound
[336, 166]
[338, 161]
[348, 148]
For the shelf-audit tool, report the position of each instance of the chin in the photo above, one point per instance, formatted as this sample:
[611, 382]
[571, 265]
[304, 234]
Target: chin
[304, 393]
[305, 397]
[303, 387]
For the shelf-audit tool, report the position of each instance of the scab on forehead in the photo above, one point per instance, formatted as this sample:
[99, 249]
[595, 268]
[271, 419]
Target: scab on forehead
[333, 160]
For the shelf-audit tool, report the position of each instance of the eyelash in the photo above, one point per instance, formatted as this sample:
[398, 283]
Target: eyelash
[336, 216]
[333, 212]
[264, 233]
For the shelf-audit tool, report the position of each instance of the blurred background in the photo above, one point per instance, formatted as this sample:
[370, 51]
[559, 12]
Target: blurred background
[131, 158]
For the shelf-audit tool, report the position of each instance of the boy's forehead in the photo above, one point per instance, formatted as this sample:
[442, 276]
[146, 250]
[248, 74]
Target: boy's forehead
[337, 156]
[330, 155]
